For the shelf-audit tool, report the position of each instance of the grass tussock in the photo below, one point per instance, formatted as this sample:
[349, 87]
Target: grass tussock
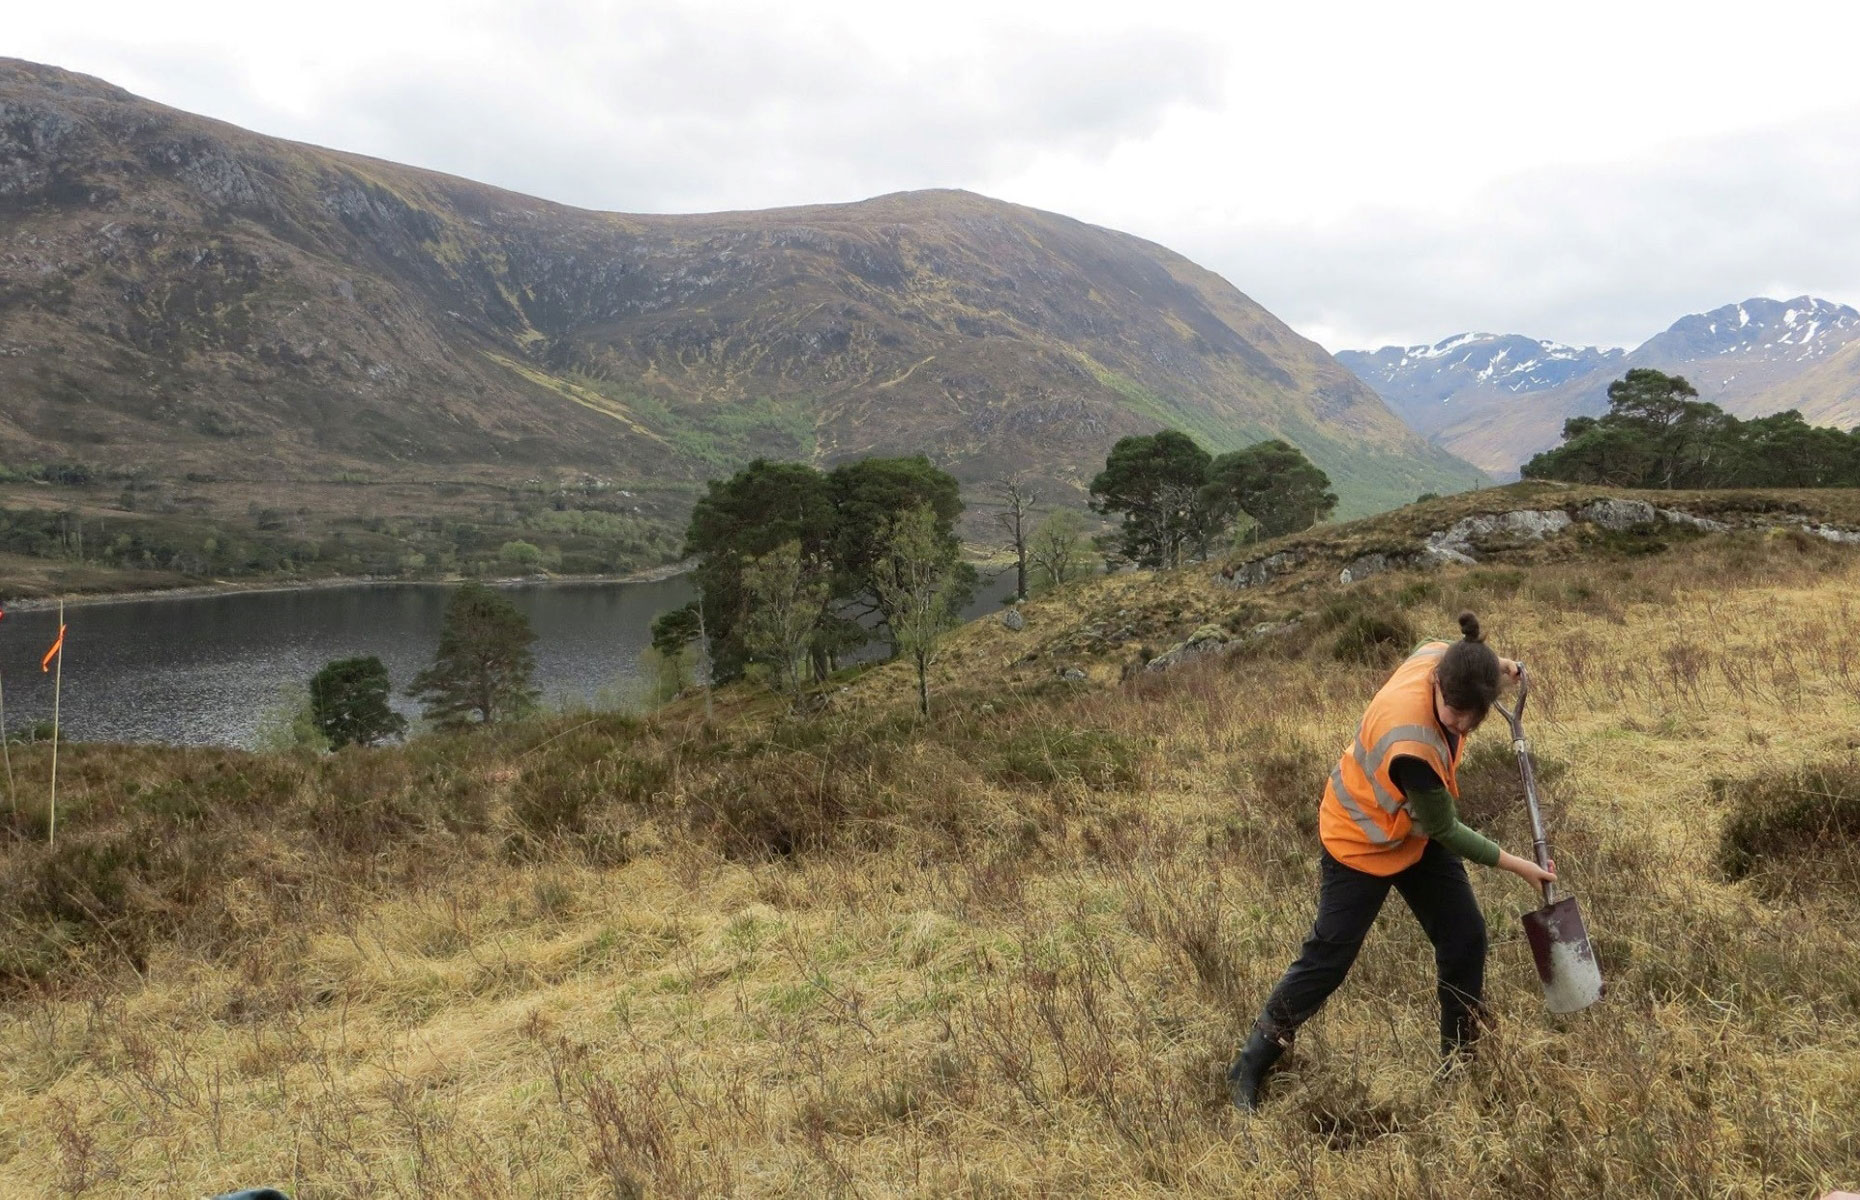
[1794, 829]
[1005, 951]
[1373, 639]
[1044, 756]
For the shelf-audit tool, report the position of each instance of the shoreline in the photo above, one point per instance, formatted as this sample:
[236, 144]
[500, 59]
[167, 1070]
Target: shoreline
[201, 591]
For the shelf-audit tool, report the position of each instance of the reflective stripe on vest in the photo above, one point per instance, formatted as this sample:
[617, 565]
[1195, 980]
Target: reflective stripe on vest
[1371, 830]
[1369, 762]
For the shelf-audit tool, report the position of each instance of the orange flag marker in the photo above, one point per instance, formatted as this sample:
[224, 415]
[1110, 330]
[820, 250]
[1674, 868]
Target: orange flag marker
[45, 664]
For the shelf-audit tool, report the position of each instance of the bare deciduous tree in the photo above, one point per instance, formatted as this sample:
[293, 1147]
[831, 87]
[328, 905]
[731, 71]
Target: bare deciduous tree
[1057, 547]
[1016, 499]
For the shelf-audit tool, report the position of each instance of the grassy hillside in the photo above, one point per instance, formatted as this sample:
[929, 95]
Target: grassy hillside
[189, 299]
[1004, 952]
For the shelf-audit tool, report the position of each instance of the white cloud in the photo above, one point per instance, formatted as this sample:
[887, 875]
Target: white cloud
[1585, 171]
[1607, 254]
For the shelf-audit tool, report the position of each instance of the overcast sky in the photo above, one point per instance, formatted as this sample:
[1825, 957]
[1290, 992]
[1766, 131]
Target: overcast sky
[1371, 172]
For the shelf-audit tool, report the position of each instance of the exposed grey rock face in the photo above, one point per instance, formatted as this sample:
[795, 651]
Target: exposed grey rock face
[1211, 641]
[1445, 556]
[1013, 620]
[31, 137]
[1363, 566]
[1260, 570]
[1834, 533]
[1207, 640]
[1673, 516]
[1072, 675]
[1617, 515]
[209, 169]
[1457, 543]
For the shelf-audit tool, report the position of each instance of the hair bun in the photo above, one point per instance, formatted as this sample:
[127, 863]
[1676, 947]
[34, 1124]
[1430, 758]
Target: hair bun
[1469, 626]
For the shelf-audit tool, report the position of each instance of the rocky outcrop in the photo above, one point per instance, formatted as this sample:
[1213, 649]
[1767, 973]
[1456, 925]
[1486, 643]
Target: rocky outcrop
[1618, 515]
[1673, 516]
[1260, 570]
[1211, 641]
[1834, 533]
[1365, 565]
[1467, 541]
[1205, 641]
[1459, 541]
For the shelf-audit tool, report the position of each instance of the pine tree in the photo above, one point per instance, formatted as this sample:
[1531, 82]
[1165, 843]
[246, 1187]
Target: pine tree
[349, 703]
[1273, 483]
[1156, 482]
[482, 671]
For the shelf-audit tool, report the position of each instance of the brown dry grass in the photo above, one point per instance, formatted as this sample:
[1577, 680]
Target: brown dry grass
[1008, 952]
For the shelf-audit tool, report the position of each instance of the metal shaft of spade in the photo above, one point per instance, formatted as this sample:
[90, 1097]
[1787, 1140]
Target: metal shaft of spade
[1521, 746]
[1566, 965]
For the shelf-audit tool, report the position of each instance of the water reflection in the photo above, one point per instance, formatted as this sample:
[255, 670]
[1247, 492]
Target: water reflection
[208, 670]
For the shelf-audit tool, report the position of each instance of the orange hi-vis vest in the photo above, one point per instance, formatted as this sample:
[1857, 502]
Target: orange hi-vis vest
[1364, 820]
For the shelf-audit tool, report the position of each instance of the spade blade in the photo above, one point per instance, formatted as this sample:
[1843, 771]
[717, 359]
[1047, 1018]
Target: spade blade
[1566, 963]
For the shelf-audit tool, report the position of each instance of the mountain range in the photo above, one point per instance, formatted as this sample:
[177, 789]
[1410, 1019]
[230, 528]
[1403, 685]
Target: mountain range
[183, 297]
[1496, 400]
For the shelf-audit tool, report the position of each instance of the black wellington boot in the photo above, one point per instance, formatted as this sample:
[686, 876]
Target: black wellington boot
[1459, 1042]
[1248, 1072]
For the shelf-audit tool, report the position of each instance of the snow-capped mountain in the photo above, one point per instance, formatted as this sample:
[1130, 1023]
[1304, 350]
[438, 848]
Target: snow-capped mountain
[1496, 401]
[1785, 331]
[1420, 382]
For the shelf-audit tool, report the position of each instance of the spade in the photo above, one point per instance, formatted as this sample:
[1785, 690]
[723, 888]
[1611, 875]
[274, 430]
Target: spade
[1566, 963]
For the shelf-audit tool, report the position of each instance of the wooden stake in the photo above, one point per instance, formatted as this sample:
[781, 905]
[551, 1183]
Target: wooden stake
[58, 685]
[12, 797]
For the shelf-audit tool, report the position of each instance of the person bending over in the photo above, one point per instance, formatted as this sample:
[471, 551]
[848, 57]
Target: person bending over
[1388, 820]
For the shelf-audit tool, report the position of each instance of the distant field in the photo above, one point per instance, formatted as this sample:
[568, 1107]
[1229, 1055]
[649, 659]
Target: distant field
[128, 535]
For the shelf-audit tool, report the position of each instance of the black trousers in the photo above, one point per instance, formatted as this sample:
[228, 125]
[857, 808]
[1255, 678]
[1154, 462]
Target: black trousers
[1440, 897]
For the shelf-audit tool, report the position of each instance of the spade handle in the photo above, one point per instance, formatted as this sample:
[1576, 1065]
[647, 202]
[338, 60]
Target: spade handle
[1540, 846]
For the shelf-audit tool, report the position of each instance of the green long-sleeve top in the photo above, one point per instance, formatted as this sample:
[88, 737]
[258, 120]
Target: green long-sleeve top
[1431, 806]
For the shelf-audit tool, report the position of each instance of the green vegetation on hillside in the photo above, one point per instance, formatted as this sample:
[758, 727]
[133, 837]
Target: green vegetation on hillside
[122, 533]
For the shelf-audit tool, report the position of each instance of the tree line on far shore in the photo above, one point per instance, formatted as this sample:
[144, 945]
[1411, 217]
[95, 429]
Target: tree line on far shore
[1657, 433]
[797, 569]
[481, 674]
